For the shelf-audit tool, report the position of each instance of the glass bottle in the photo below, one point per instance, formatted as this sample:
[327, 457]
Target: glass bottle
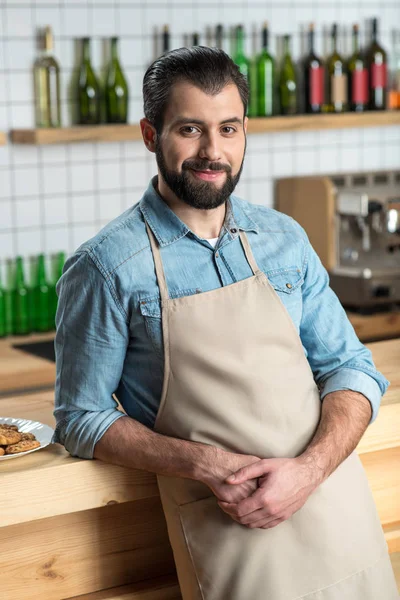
[314, 77]
[265, 78]
[89, 96]
[287, 82]
[337, 78]
[58, 261]
[241, 60]
[377, 71]
[165, 39]
[219, 37]
[9, 289]
[46, 74]
[196, 39]
[358, 76]
[21, 300]
[394, 88]
[116, 92]
[41, 294]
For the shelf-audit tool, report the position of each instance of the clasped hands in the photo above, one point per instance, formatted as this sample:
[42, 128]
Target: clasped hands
[265, 492]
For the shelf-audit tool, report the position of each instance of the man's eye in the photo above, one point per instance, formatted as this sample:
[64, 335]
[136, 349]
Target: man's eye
[228, 129]
[189, 129]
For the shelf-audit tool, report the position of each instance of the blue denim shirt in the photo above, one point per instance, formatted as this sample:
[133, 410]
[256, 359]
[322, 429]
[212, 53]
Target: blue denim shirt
[109, 333]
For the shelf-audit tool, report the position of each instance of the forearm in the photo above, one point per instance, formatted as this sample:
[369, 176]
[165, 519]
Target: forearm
[130, 444]
[345, 416]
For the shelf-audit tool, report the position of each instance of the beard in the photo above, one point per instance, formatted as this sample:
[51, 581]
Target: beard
[203, 195]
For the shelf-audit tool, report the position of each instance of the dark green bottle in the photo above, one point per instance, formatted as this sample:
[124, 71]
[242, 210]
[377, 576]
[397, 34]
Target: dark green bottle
[196, 39]
[337, 78]
[58, 261]
[165, 39]
[41, 295]
[241, 60]
[219, 37]
[314, 78]
[377, 67]
[9, 296]
[116, 92]
[266, 100]
[89, 95]
[21, 300]
[287, 82]
[3, 318]
[358, 76]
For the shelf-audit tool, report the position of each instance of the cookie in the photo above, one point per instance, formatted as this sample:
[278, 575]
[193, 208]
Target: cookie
[2, 451]
[23, 446]
[6, 426]
[9, 436]
[27, 436]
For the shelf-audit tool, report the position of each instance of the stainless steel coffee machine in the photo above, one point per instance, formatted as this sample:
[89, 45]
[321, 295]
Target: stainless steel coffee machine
[353, 222]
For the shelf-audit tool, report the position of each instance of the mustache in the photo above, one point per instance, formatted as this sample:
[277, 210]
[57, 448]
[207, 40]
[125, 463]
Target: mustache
[201, 165]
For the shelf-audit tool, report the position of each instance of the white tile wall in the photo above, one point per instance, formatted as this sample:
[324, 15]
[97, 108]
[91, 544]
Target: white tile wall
[56, 197]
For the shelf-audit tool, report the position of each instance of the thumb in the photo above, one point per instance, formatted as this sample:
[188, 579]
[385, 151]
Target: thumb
[256, 469]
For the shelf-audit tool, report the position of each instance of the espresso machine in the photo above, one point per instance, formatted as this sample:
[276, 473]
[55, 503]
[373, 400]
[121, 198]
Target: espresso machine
[353, 223]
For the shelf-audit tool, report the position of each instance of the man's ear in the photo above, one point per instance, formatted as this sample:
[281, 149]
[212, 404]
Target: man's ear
[149, 134]
[245, 122]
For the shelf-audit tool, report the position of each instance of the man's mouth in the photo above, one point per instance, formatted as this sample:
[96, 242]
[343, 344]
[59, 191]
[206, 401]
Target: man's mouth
[207, 174]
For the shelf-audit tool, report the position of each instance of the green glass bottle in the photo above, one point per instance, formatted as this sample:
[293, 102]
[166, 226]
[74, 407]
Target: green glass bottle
[287, 82]
[41, 294]
[377, 67]
[241, 60]
[46, 72]
[21, 300]
[116, 92]
[58, 261]
[314, 78]
[9, 296]
[89, 95]
[266, 99]
[358, 76]
[337, 78]
[196, 39]
[3, 318]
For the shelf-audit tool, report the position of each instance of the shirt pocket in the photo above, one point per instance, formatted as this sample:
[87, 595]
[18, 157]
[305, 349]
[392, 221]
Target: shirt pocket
[287, 280]
[150, 309]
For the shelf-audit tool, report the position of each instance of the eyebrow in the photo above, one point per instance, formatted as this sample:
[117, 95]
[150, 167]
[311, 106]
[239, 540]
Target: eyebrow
[183, 121]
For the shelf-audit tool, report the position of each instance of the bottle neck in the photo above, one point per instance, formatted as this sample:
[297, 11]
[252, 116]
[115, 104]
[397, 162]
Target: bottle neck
[334, 42]
[286, 45]
[374, 31]
[114, 48]
[356, 41]
[86, 50]
[19, 273]
[41, 270]
[239, 41]
[311, 41]
[265, 38]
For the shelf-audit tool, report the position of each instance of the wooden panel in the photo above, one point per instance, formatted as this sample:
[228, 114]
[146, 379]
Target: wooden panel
[48, 473]
[113, 133]
[309, 122]
[386, 355]
[67, 135]
[376, 327]
[395, 558]
[310, 201]
[162, 588]
[392, 536]
[384, 432]
[383, 474]
[84, 552]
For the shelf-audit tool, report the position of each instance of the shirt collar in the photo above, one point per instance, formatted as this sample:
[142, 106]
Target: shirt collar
[168, 227]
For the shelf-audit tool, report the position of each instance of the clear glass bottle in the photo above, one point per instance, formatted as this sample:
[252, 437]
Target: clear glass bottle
[89, 94]
[46, 73]
[116, 92]
[287, 82]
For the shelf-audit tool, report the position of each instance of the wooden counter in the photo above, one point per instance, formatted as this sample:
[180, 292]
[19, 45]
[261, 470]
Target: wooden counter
[20, 371]
[70, 527]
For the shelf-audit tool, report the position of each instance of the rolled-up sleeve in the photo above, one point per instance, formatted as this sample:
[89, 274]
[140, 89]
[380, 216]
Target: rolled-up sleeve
[338, 359]
[90, 345]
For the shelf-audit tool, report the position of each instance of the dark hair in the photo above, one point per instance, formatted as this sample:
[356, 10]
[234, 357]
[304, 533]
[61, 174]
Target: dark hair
[210, 69]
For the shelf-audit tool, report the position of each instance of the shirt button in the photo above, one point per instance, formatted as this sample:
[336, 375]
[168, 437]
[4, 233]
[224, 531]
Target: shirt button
[233, 230]
[289, 285]
[216, 255]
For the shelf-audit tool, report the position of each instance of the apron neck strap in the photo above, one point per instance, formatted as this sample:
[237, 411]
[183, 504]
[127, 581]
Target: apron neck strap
[162, 283]
[249, 254]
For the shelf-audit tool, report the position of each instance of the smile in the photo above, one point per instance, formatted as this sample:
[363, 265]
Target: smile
[208, 175]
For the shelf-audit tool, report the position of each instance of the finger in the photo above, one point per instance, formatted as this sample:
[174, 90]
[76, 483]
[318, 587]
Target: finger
[274, 523]
[256, 469]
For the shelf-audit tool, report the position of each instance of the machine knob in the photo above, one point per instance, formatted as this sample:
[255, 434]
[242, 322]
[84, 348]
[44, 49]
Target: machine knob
[381, 291]
[374, 206]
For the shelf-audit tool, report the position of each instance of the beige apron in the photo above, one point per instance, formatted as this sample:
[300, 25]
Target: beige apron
[236, 377]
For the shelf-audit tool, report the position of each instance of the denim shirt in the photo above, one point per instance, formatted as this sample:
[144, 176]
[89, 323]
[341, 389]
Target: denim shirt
[109, 332]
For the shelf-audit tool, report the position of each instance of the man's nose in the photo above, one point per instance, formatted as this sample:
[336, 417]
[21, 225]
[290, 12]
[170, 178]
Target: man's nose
[210, 148]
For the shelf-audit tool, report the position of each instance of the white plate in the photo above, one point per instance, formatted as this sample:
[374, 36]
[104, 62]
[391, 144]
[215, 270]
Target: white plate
[43, 433]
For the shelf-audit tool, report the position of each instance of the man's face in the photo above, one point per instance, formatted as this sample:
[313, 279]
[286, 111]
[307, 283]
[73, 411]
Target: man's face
[201, 149]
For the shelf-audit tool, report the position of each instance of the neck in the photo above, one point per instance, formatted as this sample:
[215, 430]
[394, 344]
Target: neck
[204, 223]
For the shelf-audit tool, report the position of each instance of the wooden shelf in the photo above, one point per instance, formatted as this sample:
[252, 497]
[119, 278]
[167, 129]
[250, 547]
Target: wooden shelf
[68, 135]
[3, 138]
[121, 133]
